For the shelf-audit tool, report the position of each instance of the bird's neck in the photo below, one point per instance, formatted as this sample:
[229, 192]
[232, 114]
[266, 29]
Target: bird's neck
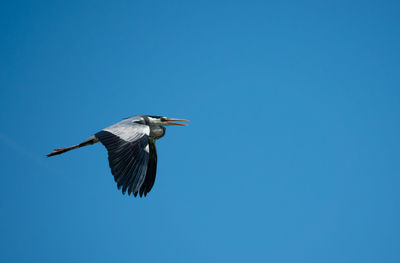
[156, 132]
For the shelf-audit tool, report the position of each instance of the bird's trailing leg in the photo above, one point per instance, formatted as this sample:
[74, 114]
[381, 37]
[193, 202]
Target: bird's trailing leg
[89, 141]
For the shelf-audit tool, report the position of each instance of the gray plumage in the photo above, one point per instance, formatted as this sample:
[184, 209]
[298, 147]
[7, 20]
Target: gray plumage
[131, 150]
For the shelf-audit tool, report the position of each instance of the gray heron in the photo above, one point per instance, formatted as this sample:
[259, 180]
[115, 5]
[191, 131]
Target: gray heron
[132, 154]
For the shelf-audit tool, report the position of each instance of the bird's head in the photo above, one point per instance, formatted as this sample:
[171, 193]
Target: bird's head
[164, 121]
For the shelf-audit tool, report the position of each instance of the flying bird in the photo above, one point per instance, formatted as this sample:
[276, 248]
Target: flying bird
[131, 147]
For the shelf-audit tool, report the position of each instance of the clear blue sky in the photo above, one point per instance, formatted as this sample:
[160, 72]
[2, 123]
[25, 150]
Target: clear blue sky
[292, 153]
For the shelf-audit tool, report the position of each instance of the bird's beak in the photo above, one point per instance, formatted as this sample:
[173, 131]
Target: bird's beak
[174, 123]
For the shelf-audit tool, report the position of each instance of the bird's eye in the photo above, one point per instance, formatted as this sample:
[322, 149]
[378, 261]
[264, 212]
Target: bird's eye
[163, 119]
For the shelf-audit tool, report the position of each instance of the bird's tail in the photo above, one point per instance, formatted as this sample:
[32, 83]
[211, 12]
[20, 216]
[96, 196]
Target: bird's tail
[89, 141]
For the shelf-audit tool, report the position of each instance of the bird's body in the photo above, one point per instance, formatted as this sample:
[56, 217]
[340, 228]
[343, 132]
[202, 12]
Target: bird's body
[131, 150]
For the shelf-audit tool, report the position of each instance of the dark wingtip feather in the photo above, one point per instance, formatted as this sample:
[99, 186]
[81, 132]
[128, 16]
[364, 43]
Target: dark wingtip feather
[151, 170]
[126, 160]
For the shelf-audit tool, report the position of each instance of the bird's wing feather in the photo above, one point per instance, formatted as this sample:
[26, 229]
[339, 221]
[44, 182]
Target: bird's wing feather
[128, 149]
[151, 170]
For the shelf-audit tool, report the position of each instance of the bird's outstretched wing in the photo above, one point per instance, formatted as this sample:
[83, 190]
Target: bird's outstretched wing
[129, 153]
[151, 170]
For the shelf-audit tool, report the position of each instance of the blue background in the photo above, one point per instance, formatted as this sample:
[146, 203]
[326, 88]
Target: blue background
[292, 153]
